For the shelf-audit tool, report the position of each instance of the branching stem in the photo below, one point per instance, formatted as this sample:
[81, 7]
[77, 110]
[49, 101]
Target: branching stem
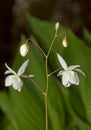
[46, 93]
[47, 75]
[36, 85]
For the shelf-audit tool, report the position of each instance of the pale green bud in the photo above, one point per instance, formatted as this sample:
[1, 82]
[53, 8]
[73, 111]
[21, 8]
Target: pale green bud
[57, 26]
[65, 42]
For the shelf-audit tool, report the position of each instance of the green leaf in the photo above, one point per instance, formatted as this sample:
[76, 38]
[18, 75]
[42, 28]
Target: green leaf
[67, 107]
[7, 120]
[87, 37]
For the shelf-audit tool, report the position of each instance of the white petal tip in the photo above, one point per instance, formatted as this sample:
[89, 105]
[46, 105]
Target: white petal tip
[57, 54]
[19, 90]
[7, 85]
[30, 76]
[62, 62]
[84, 74]
[67, 86]
[6, 65]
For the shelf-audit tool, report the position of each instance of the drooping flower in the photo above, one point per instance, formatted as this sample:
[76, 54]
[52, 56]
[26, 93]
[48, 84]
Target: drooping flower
[69, 74]
[24, 49]
[14, 78]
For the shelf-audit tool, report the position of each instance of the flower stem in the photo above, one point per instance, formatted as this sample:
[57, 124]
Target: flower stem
[47, 77]
[55, 35]
[37, 46]
[36, 85]
[46, 112]
[46, 94]
[53, 72]
[60, 34]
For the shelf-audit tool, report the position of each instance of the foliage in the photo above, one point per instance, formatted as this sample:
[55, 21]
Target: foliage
[68, 108]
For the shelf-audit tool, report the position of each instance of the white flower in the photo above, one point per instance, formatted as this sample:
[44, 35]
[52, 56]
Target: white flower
[14, 78]
[69, 74]
[24, 49]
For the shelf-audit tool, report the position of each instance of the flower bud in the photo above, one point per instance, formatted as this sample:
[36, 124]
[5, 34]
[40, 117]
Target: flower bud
[65, 42]
[24, 49]
[57, 26]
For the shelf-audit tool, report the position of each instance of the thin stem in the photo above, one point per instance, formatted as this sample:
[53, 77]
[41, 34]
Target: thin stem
[54, 72]
[46, 111]
[46, 75]
[46, 65]
[36, 85]
[60, 34]
[52, 43]
[46, 94]
[37, 46]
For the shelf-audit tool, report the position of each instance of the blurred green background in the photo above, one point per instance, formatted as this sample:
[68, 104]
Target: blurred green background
[68, 108]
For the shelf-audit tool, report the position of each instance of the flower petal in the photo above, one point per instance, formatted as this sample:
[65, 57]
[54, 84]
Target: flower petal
[79, 70]
[27, 76]
[8, 80]
[60, 73]
[62, 62]
[31, 75]
[74, 79]
[17, 83]
[8, 72]
[12, 71]
[72, 67]
[23, 67]
[65, 79]
[68, 84]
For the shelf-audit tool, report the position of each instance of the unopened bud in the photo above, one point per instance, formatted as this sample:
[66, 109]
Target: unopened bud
[24, 49]
[65, 42]
[57, 26]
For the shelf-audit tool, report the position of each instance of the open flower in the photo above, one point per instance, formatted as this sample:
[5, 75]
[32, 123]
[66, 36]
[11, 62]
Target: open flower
[69, 74]
[14, 78]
